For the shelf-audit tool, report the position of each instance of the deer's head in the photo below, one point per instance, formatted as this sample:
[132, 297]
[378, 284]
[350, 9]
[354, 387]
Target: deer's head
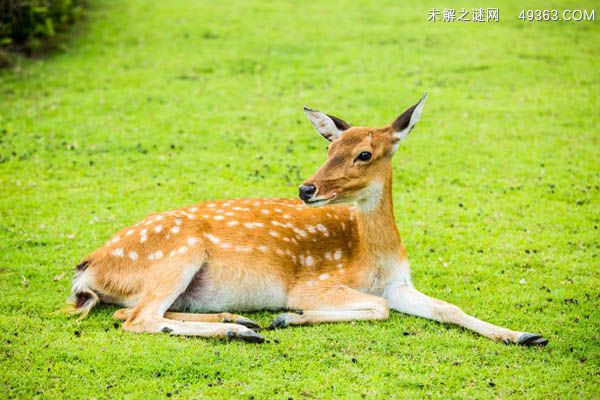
[359, 158]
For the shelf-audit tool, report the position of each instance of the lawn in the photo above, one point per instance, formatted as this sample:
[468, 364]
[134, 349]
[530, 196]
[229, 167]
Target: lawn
[155, 105]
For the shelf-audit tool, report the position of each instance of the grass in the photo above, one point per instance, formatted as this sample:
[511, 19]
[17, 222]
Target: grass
[155, 105]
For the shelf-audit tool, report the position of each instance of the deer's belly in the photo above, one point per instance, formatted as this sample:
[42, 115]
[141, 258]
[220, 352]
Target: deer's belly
[218, 288]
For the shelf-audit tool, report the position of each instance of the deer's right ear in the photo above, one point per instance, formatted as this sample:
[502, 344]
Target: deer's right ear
[328, 126]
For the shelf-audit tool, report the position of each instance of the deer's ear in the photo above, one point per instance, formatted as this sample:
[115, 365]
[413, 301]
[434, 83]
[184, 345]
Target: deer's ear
[328, 126]
[402, 126]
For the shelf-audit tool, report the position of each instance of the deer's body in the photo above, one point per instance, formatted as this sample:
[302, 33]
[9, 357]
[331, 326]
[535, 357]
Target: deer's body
[294, 250]
[337, 262]
[250, 253]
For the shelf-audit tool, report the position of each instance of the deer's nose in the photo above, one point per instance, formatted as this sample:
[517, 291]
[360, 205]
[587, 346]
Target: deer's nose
[306, 191]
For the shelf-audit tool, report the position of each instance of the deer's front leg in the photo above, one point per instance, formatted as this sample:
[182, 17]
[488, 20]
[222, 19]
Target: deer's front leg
[405, 298]
[330, 304]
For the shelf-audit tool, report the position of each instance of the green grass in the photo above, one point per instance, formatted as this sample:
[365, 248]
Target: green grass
[155, 105]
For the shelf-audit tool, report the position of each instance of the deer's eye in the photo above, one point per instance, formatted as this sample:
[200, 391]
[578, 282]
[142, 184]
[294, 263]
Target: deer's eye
[364, 156]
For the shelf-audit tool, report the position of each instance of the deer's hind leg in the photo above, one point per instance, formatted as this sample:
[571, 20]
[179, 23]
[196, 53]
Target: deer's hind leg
[123, 313]
[337, 303]
[162, 288]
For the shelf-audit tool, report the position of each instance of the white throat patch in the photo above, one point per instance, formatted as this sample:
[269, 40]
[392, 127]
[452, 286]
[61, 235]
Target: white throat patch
[370, 197]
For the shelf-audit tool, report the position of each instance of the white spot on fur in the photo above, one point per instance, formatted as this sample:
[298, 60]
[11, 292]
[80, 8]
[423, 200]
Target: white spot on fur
[229, 214]
[130, 232]
[311, 229]
[143, 239]
[265, 211]
[219, 217]
[178, 221]
[300, 232]
[233, 223]
[273, 233]
[157, 255]
[118, 252]
[323, 229]
[338, 254]
[133, 255]
[143, 232]
[192, 241]
[211, 205]
[158, 228]
[212, 238]
[175, 229]
[115, 239]
[182, 249]
[194, 209]
[243, 249]
[262, 248]
[279, 251]
[327, 256]
[323, 277]
[309, 260]
[225, 245]
[311, 283]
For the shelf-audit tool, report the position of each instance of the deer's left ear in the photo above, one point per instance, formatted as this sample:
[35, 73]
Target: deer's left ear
[328, 126]
[402, 126]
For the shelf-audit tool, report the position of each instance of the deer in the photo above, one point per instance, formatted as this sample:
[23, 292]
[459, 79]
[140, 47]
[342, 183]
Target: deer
[333, 255]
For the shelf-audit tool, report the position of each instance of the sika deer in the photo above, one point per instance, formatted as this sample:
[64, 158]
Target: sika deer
[336, 256]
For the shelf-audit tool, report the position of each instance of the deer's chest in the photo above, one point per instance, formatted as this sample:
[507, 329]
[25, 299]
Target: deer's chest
[385, 272]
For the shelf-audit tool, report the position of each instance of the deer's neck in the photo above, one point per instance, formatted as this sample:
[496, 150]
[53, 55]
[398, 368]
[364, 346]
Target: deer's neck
[379, 236]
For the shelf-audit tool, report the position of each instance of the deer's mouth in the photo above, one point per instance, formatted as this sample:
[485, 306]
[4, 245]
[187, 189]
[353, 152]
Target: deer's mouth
[320, 202]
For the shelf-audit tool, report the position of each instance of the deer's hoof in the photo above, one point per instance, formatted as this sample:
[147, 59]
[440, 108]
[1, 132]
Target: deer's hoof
[251, 337]
[279, 322]
[532, 339]
[248, 336]
[248, 323]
